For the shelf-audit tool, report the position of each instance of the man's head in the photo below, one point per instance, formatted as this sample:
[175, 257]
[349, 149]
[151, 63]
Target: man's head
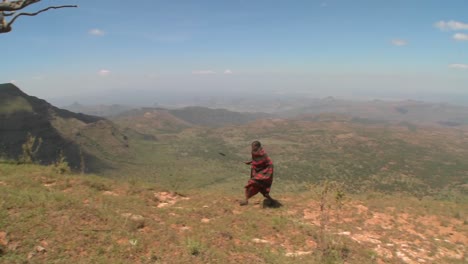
[256, 145]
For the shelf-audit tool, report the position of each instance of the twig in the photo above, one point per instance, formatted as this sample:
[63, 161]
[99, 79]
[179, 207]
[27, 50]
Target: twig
[36, 13]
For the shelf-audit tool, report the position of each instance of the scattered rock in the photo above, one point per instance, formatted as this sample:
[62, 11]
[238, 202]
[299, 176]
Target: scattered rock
[3, 183]
[346, 233]
[205, 220]
[40, 249]
[365, 238]
[260, 241]
[161, 205]
[110, 193]
[136, 221]
[383, 252]
[298, 253]
[168, 198]
[403, 257]
[137, 218]
[44, 243]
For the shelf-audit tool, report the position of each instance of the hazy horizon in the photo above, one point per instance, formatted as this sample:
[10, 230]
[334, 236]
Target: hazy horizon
[156, 51]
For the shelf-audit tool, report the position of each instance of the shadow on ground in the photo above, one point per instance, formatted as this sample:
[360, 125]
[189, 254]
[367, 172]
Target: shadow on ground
[271, 203]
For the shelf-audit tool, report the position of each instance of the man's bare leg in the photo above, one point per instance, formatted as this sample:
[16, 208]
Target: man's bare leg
[247, 196]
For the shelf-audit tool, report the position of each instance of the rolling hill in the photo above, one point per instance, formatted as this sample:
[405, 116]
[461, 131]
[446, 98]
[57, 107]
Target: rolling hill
[78, 137]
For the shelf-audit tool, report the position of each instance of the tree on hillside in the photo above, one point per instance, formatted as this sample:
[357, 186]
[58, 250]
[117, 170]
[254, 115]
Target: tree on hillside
[8, 9]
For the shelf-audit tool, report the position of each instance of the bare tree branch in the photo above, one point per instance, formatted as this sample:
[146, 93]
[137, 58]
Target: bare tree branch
[8, 26]
[16, 5]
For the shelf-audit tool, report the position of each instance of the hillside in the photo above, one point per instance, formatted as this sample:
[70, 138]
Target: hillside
[363, 155]
[215, 117]
[61, 131]
[151, 121]
[48, 218]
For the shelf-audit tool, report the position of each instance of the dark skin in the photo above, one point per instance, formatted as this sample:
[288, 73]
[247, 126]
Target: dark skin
[254, 148]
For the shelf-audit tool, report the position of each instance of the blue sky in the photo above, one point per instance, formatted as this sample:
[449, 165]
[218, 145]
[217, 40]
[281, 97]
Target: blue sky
[368, 48]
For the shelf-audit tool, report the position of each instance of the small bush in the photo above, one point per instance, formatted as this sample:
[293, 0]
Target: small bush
[30, 148]
[194, 247]
[61, 165]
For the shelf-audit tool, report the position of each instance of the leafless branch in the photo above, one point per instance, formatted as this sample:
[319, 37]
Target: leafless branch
[16, 5]
[36, 13]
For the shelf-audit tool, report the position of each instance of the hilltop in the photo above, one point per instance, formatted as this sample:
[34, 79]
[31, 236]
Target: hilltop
[46, 217]
[62, 132]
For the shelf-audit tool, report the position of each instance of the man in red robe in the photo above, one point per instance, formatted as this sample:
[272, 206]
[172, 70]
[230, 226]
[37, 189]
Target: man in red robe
[261, 174]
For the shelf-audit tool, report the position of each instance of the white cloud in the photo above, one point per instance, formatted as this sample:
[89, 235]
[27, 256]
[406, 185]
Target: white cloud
[96, 32]
[227, 71]
[451, 25]
[459, 66]
[203, 72]
[104, 72]
[399, 42]
[13, 81]
[460, 36]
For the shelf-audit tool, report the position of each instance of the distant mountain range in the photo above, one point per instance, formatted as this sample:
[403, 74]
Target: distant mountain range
[98, 110]
[227, 112]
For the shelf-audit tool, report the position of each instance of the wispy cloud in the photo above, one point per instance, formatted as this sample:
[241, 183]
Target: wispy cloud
[203, 72]
[399, 42]
[227, 71]
[104, 72]
[460, 37]
[451, 25]
[13, 81]
[459, 66]
[96, 32]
